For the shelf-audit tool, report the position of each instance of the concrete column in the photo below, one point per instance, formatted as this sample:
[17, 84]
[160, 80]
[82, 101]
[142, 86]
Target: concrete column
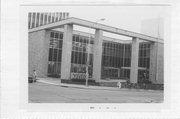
[134, 60]
[156, 71]
[66, 52]
[97, 55]
[153, 62]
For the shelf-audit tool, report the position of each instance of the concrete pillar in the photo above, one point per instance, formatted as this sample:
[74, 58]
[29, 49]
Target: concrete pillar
[156, 71]
[66, 52]
[97, 55]
[134, 60]
[153, 62]
[160, 63]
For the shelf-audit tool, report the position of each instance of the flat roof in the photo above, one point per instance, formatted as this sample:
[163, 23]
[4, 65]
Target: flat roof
[94, 25]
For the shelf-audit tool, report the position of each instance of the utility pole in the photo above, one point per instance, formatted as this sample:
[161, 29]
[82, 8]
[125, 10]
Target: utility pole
[157, 51]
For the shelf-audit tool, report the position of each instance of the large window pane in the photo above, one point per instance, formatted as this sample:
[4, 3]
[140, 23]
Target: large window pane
[60, 43]
[55, 55]
[59, 55]
[50, 54]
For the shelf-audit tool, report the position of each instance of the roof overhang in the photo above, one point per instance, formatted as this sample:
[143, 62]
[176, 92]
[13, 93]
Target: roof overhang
[95, 25]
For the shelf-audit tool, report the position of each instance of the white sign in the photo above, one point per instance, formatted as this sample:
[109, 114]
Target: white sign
[78, 75]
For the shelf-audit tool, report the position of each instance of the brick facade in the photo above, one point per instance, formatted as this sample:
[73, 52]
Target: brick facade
[38, 50]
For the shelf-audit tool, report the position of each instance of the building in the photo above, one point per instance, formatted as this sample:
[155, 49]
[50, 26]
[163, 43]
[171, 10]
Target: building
[154, 27]
[36, 19]
[55, 49]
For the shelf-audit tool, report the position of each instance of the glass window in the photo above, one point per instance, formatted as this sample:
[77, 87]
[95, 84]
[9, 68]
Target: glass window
[50, 54]
[80, 58]
[81, 40]
[52, 35]
[148, 63]
[76, 57]
[55, 55]
[55, 43]
[60, 42]
[83, 58]
[84, 40]
[56, 35]
[84, 48]
[73, 57]
[92, 42]
[59, 55]
[91, 59]
[74, 38]
[77, 38]
[51, 42]
[144, 53]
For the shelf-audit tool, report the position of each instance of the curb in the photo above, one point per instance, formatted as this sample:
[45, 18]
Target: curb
[76, 86]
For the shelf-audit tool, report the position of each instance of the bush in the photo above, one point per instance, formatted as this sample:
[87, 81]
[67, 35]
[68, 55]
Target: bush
[54, 75]
[147, 85]
[144, 81]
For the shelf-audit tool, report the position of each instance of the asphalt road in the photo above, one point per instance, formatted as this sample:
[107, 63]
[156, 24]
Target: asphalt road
[46, 93]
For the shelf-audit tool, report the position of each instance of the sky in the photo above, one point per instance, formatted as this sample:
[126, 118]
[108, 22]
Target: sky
[123, 17]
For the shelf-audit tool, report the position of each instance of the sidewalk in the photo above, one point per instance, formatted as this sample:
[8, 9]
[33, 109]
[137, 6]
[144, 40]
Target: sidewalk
[57, 82]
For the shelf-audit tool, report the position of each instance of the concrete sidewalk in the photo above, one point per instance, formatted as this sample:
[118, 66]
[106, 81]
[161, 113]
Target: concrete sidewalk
[57, 82]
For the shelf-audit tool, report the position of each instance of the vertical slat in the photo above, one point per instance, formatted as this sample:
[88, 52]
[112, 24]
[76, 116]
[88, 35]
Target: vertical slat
[35, 19]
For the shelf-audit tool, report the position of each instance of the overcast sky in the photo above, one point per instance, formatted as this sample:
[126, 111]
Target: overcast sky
[120, 16]
[124, 17]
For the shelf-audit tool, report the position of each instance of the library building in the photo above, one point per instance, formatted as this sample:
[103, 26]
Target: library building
[56, 50]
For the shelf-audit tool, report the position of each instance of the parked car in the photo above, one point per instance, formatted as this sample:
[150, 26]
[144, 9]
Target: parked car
[30, 80]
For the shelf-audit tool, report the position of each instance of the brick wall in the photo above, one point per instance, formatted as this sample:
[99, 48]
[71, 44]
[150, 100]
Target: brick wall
[38, 49]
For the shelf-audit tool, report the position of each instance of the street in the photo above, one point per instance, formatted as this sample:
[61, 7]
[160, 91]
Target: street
[46, 93]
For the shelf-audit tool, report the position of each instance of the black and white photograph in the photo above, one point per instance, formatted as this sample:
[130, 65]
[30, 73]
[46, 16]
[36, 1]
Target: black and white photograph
[91, 57]
[89, 60]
